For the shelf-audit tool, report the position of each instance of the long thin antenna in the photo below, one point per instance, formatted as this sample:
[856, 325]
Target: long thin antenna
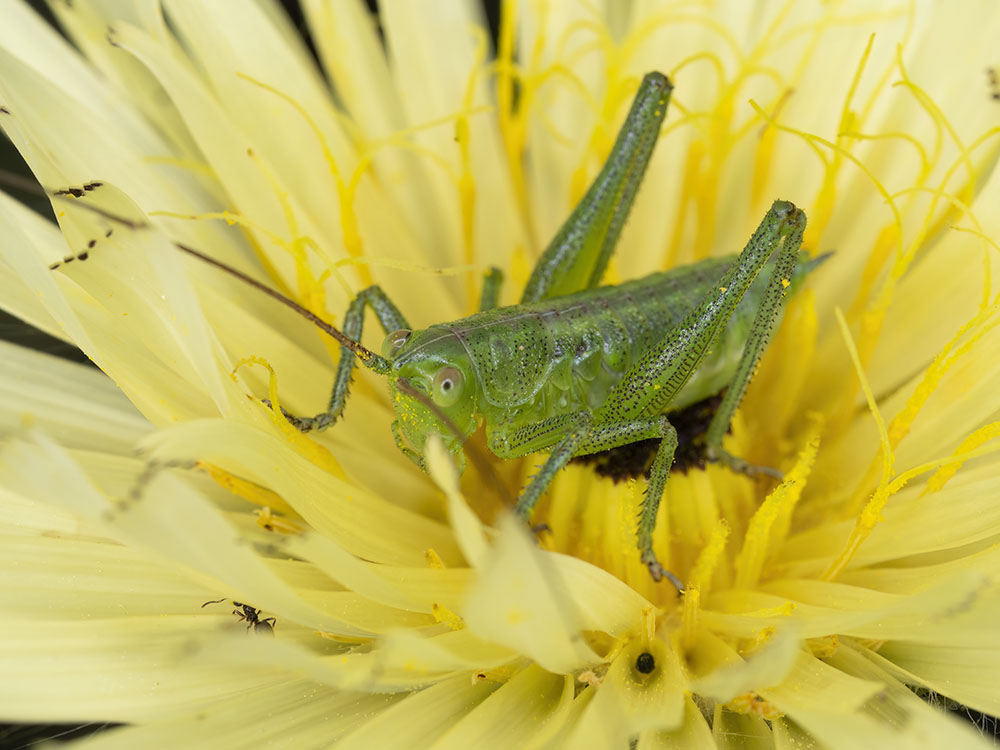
[67, 195]
[22, 183]
[368, 358]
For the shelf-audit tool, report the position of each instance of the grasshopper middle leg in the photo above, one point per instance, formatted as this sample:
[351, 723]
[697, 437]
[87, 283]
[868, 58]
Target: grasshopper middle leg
[492, 281]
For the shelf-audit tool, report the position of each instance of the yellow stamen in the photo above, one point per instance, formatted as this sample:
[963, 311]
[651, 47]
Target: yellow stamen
[699, 582]
[445, 616]
[963, 451]
[249, 491]
[268, 521]
[348, 218]
[769, 525]
[872, 513]
[900, 425]
[309, 449]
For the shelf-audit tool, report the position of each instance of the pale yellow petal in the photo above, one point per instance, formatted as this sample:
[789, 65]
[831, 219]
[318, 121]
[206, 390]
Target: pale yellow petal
[520, 600]
[629, 701]
[425, 715]
[693, 734]
[35, 389]
[513, 714]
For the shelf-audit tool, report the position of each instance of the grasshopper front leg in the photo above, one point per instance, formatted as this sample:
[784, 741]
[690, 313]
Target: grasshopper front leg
[390, 318]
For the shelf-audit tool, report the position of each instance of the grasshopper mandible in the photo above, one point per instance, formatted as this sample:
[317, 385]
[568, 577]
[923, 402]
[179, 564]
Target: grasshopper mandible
[575, 368]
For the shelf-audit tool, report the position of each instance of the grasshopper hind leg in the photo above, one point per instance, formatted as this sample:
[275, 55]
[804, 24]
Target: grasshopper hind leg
[757, 341]
[648, 386]
[579, 253]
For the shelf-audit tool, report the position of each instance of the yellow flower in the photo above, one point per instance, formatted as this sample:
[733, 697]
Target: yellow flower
[410, 611]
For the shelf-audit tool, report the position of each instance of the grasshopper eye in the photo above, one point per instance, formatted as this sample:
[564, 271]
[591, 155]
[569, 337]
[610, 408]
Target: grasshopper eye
[394, 342]
[447, 386]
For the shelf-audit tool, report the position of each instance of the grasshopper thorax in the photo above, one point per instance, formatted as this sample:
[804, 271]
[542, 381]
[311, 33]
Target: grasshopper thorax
[432, 383]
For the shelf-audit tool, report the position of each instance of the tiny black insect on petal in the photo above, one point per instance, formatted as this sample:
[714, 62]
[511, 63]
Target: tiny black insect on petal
[645, 663]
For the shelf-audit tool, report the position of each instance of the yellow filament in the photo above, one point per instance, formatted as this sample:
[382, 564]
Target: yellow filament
[925, 163]
[815, 140]
[875, 314]
[846, 115]
[710, 57]
[953, 462]
[872, 512]
[239, 220]
[601, 41]
[935, 112]
[312, 293]
[309, 449]
[466, 180]
[871, 323]
[249, 491]
[770, 523]
[688, 194]
[941, 477]
[764, 156]
[700, 580]
[512, 125]
[899, 427]
[348, 218]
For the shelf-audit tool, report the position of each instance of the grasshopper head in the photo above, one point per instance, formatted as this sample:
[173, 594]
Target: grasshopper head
[433, 387]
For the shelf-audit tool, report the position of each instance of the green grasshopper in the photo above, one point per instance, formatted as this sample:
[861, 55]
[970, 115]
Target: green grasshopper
[576, 369]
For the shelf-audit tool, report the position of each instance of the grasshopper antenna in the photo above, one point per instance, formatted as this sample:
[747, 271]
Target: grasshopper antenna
[368, 358]
[69, 195]
[483, 466]
[16, 181]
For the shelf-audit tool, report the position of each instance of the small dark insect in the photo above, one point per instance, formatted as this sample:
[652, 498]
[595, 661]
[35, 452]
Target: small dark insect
[635, 459]
[251, 616]
[994, 81]
[645, 663]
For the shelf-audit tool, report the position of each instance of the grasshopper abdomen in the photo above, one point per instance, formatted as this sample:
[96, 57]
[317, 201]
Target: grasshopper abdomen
[566, 354]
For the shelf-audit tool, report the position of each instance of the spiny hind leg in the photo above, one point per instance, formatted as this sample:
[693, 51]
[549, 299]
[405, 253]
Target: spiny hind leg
[650, 385]
[390, 318]
[757, 341]
[577, 256]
